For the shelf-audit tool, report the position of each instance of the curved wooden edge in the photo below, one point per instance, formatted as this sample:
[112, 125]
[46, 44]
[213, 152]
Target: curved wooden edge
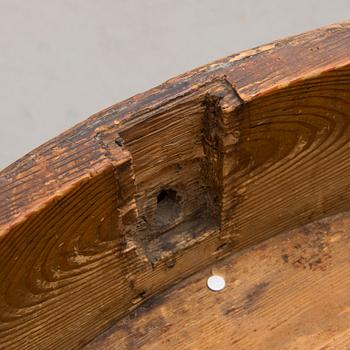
[145, 193]
[253, 73]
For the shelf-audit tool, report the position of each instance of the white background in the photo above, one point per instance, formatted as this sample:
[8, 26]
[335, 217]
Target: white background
[63, 60]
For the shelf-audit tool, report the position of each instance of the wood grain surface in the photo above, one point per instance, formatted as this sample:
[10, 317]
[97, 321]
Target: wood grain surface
[139, 196]
[289, 292]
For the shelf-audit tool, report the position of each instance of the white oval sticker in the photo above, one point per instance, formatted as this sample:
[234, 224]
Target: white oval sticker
[216, 283]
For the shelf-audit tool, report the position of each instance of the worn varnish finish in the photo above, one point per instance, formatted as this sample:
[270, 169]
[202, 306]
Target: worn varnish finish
[290, 292]
[145, 193]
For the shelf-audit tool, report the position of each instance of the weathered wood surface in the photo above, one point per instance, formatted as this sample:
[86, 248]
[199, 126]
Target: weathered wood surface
[208, 163]
[290, 292]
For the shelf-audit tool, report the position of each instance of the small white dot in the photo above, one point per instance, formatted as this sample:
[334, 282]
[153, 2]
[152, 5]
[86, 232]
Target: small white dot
[216, 283]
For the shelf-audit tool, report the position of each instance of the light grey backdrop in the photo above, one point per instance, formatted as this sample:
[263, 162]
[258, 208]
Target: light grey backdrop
[63, 60]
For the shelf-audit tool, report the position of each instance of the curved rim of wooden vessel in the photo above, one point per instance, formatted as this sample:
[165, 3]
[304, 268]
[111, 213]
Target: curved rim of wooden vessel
[154, 188]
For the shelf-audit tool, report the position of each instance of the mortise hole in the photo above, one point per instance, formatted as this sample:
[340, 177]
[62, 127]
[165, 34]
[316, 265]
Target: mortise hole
[164, 195]
[168, 208]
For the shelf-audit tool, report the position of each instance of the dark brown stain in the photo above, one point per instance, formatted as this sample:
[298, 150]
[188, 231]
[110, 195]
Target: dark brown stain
[312, 250]
[285, 257]
[142, 335]
[149, 304]
[254, 294]
[250, 299]
[126, 326]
